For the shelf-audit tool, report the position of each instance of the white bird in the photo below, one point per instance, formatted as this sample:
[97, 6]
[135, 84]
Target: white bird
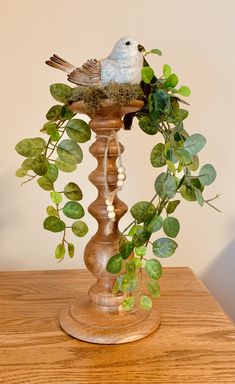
[122, 65]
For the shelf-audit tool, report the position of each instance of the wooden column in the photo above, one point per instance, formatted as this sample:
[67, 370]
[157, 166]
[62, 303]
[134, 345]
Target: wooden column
[98, 318]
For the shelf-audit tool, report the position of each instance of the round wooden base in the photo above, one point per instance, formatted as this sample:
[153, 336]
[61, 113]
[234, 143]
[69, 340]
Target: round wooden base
[86, 321]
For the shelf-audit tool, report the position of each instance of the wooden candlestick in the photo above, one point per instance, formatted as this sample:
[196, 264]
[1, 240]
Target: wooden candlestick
[98, 317]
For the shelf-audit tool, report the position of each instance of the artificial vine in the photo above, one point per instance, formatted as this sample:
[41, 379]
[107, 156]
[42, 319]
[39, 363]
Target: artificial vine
[177, 151]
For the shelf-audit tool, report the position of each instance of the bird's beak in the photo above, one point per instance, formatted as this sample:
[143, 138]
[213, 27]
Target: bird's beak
[140, 48]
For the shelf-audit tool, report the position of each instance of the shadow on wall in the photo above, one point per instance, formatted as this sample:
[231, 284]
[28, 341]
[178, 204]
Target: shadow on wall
[219, 278]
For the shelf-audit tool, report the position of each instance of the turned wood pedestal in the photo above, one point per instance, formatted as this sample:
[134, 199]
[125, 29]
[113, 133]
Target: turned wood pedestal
[97, 317]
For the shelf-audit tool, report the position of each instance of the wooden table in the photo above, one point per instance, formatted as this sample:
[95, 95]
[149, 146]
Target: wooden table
[194, 344]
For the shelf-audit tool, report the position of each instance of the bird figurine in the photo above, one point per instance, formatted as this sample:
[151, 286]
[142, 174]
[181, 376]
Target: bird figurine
[122, 65]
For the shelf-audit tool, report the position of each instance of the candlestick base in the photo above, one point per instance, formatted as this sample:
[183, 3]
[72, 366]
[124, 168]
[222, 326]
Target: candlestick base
[93, 323]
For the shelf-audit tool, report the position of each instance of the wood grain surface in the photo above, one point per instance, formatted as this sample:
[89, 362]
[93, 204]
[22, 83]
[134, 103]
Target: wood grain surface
[195, 342]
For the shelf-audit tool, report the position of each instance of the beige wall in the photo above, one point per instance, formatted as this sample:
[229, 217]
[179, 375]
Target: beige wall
[197, 39]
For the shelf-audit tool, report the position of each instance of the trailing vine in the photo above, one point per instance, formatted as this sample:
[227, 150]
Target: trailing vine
[176, 150]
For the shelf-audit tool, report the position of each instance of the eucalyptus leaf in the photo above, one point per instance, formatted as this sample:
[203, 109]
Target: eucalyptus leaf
[159, 103]
[70, 250]
[140, 237]
[66, 113]
[147, 74]
[188, 193]
[145, 303]
[172, 205]
[60, 251]
[114, 264]
[56, 197]
[155, 224]
[134, 229]
[64, 167]
[21, 172]
[183, 155]
[147, 125]
[207, 174]
[165, 185]
[166, 70]
[157, 157]
[156, 51]
[171, 226]
[31, 147]
[53, 224]
[45, 183]
[73, 210]
[40, 165]
[195, 143]
[171, 81]
[52, 131]
[184, 91]
[78, 130]
[51, 211]
[54, 113]
[52, 173]
[164, 247]
[27, 164]
[126, 249]
[79, 228]
[72, 191]
[140, 251]
[69, 152]
[153, 268]
[199, 197]
[61, 92]
[143, 211]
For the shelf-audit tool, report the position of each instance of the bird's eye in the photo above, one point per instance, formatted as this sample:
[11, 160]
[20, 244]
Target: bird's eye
[128, 43]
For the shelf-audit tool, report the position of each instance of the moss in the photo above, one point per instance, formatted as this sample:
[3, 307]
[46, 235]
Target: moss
[120, 94]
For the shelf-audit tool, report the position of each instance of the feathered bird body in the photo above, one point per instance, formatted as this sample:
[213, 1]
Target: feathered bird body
[122, 65]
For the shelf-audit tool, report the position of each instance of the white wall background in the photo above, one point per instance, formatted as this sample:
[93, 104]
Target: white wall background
[197, 39]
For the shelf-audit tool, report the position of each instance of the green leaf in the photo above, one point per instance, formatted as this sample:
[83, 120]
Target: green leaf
[70, 250]
[171, 226]
[164, 247]
[40, 165]
[64, 167]
[78, 130]
[31, 147]
[172, 205]
[141, 251]
[72, 191]
[187, 192]
[126, 249]
[159, 103]
[52, 173]
[21, 172]
[147, 74]
[130, 269]
[69, 152]
[166, 70]
[147, 125]
[56, 197]
[154, 288]
[54, 113]
[140, 237]
[184, 91]
[183, 155]
[79, 228]
[66, 113]
[128, 304]
[155, 224]
[156, 51]
[195, 143]
[153, 268]
[157, 157]
[199, 197]
[178, 116]
[52, 130]
[145, 303]
[171, 81]
[207, 174]
[114, 264]
[143, 211]
[51, 211]
[60, 251]
[61, 92]
[165, 185]
[134, 229]
[138, 262]
[73, 210]
[53, 224]
[195, 163]
[45, 183]
[27, 164]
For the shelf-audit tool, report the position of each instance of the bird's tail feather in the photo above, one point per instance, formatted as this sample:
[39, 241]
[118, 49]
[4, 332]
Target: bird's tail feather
[59, 63]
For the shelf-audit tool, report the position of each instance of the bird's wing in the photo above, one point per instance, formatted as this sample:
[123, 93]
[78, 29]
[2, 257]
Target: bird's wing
[89, 74]
[59, 63]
